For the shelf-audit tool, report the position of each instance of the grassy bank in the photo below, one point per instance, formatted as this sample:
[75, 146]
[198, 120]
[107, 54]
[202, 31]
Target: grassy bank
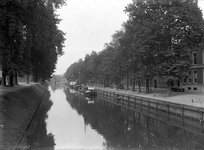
[17, 108]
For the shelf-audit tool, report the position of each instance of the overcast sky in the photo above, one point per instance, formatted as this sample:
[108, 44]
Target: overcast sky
[88, 25]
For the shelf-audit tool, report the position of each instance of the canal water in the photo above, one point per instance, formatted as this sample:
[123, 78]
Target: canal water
[68, 120]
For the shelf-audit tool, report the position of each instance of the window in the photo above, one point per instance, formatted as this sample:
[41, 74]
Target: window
[194, 57]
[184, 80]
[195, 76]
[189, 77]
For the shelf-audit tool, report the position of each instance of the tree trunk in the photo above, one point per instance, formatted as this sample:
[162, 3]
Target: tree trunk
[108, 81]
[127, 81]
[27, 78]
[133, 86]
[10, 82]
[3, 81]
[168, 87]
[150, 85]
[15, 78]
[139, 83]
[147, 85]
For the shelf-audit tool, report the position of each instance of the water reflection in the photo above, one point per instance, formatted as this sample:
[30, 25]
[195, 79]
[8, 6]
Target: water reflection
[69, 127]
[125, 129]
[74, 123]
[37, 136]
[58, 86]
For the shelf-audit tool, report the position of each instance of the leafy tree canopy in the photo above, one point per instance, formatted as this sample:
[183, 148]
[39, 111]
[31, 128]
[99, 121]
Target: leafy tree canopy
[165, 33]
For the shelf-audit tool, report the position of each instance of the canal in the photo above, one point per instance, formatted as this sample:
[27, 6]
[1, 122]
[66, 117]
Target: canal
[67, 120]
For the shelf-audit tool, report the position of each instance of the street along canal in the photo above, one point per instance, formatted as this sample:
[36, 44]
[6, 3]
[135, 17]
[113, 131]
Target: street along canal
[69, 121]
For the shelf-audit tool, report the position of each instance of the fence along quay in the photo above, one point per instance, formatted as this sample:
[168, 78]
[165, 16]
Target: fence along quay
[184, 116]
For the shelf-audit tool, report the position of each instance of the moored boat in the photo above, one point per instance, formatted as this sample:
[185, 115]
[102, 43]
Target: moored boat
[91, 91]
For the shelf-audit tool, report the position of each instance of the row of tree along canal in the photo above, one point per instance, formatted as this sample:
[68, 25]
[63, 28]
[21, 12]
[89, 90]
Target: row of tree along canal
[30, 41]
[157, 41]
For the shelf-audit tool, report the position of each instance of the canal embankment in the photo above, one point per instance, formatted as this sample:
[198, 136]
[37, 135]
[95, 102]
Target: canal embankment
[177, 109]
[183, 98]
[18, 105]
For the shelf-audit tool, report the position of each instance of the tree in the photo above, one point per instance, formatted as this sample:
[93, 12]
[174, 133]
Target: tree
[47, 40]
[12, 47]
[30, 41]
[166, 32]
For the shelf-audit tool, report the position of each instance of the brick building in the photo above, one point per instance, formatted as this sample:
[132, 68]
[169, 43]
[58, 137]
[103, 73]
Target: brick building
[195, 81]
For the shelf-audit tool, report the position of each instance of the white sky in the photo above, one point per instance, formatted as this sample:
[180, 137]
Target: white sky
[88, 25]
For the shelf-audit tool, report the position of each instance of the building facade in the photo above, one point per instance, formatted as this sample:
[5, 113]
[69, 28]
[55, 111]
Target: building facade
[195, 80]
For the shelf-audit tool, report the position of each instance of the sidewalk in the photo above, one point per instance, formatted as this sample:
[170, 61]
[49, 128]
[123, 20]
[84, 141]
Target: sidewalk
[187, 98]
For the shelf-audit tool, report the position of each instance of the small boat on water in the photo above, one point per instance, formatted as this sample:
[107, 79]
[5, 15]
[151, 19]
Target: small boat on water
[90, 91]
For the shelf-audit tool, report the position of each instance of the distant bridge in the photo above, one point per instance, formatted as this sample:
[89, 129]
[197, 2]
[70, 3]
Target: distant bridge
[57, 81]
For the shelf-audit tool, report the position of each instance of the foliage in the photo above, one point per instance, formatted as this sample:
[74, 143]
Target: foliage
[165, 34]
[157, 40]
[30, 41]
